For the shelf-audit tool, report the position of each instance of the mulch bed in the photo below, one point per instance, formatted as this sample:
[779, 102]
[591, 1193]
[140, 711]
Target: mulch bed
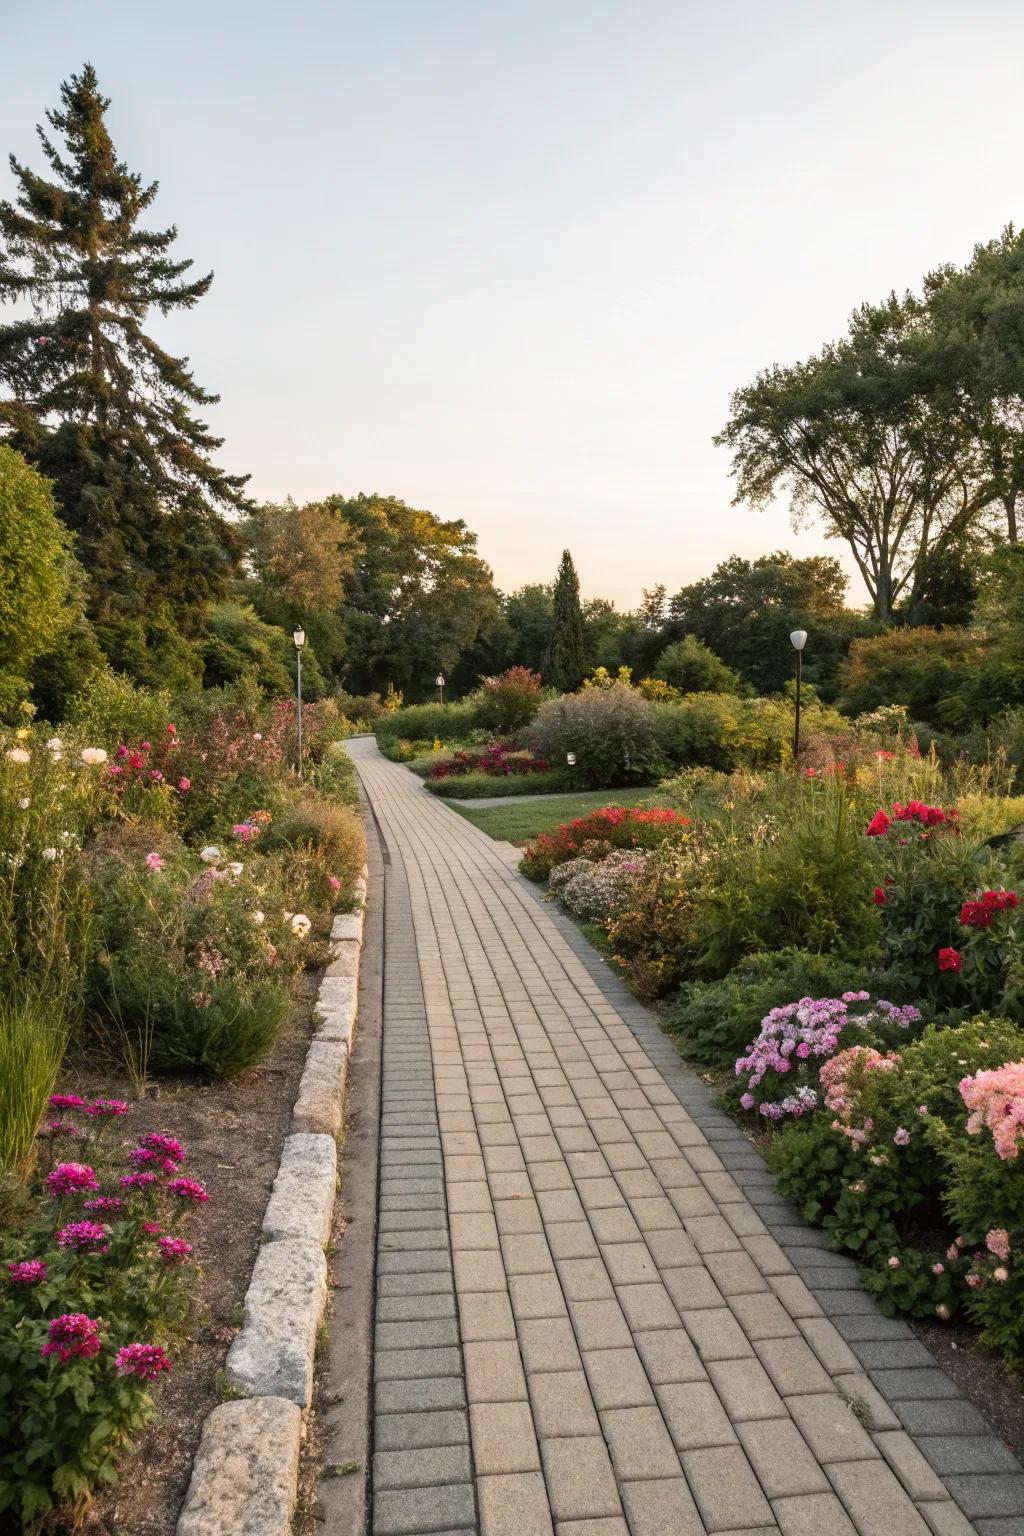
[233, 1133]
[980, 1375]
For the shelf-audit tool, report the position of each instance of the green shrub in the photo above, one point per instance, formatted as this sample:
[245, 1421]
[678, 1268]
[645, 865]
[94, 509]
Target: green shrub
[335, 832]
[427, 722]
[334, 776]
[33, 1036]
[914, 666]
[609, 730]
[111, 709]
[715, 1020]
[481, 786]
[692, 667]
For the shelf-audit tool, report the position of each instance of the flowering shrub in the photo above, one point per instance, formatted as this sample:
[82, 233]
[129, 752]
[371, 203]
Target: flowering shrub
[509, 701]
[613, 826]
[996, 1102]
[611, 732]
[87, 1310]
[502, 760]
[795, 1038]
[595, 891]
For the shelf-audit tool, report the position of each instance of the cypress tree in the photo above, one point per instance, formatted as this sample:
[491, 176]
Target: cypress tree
[91, 399]
[565, 662]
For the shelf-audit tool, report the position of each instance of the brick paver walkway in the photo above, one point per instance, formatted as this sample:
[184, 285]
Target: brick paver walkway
[584, 1322]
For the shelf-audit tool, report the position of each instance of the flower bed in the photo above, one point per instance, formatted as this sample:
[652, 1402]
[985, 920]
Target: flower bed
[613, 826]
[501, 760]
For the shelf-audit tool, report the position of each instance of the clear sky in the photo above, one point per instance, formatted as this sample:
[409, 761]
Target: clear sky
[507, 258]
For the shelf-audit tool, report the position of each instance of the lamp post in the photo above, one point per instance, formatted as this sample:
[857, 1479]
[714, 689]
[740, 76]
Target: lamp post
[798, 639]
[439, 680]
[299, 636]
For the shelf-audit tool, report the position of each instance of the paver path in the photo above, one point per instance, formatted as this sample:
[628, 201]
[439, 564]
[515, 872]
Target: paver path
[584, 1324]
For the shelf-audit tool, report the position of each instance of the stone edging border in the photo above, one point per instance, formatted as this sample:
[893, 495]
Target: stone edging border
[245, 1474]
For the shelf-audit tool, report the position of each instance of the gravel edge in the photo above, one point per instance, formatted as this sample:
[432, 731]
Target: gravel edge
[244, 1478]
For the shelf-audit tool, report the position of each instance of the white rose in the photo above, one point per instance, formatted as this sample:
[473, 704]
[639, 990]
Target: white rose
[209, 855]
[49, 854]
[93, 756]
[301, 925]
[24, 803]
[19, 755]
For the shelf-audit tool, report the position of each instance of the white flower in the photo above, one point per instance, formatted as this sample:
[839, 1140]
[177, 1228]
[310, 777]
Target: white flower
[49, 854]
[235, 868]
[259, 919]
[24, 803]
[19, 755]
[301, 925]
[209, 855]
[55, 745]
[93, 756]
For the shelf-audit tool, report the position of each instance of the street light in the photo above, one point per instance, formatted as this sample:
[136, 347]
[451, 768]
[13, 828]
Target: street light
[798, 639]
[439, 680]
[299, 636]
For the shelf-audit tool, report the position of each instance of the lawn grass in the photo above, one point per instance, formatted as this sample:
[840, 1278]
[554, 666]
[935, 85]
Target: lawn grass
[520, 822]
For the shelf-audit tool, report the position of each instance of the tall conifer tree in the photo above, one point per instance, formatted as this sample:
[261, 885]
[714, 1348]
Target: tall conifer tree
[90, 398]
[565, 661]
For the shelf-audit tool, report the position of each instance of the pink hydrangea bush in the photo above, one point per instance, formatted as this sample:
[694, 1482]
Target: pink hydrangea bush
[996, 1102]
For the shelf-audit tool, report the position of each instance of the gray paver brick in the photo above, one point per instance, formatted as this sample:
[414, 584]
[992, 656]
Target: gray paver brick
[831, 1428]
[503, 1438]
[695, 1416]
[580, 1481]
[782, 1459]
[661, 1507]
[617, 1378]
[717, 1334]
[409, 1431]
[411, 1511]
[432, 1466]
[815, 1514]
[514, 1504]
[793, 1366]
[669, 1356]
[639, 1444]
[562, 1404]
[746, 1390]
[494, 1372]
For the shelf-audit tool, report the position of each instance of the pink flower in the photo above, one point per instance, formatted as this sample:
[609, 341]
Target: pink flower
[943, 1311]
[143, 1360]
[902, 1136]
[66, 1101]
[998, 1242]
[151, 1228]
[137, 1180]
[57, 1128]
[174, 1250]
[71, 1179]
[169, 1146]
[996, 1100]
[84, 1237]
[938, 1269]
[1001, 1275]
[146, 1157]
[879, 824]
[922, 1109]
[950, 959]
[101, 1109]
[184, 784]
[28, 1272]
[154, 861]
[334, 882]
[188, 1189]
[72, 1334]
[894, 1262]
[106, 1205]
[975, 1281]
[880, 897]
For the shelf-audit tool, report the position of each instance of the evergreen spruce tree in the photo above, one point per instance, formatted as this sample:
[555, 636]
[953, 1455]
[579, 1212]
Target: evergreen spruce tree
[94, 402]
[565, 661]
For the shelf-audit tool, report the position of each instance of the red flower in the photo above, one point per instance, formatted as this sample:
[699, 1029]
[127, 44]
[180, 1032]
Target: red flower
[879, 824]
[950, 959]
[880, 896]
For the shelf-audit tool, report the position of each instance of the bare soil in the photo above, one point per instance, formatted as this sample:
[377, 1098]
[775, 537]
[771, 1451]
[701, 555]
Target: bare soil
[233, 1132]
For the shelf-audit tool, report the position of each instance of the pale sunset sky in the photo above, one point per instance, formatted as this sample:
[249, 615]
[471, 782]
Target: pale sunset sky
[506, 259]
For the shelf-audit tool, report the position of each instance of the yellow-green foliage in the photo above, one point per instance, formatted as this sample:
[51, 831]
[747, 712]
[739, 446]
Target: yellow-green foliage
[35, 574]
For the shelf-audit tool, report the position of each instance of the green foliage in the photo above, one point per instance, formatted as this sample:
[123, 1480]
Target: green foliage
[611, 731]
[483, 786]
[565, 661]
[33, 1036]
[692, 667]
[111, 709]
[919, 668]
[447, 723]
[240, 643]
[746, 609]
[716, 730]
[36, 581]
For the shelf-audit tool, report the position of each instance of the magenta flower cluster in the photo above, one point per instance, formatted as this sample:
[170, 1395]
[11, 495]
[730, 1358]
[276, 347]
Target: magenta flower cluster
[73, 1334]
[27, 1272]
[84, 1237]
[804, 1032]
[143, 1360]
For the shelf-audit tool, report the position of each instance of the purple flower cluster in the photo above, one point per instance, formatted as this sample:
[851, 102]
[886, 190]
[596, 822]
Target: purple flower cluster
[27, 1272]
[72, 1334]
[803, 1032]
[84, 1237]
